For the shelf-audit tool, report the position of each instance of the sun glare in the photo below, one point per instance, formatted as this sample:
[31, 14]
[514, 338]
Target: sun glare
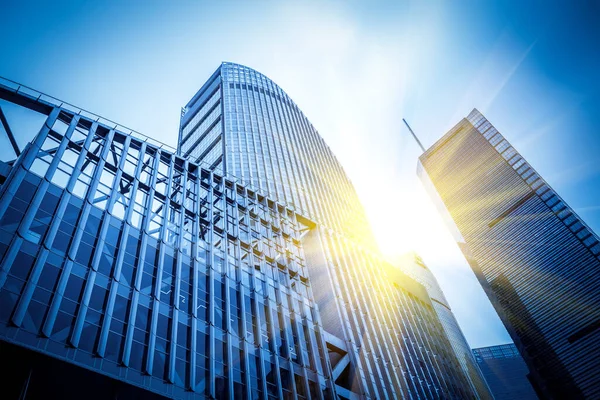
[415, 226]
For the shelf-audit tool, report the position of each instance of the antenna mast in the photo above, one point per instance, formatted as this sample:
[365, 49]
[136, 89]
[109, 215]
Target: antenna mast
[413, 134]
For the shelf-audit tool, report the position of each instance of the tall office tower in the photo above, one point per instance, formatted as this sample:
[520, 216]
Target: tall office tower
[413, 266]
[536, 259]
[242, 123]
[385, 339]
[505, 372]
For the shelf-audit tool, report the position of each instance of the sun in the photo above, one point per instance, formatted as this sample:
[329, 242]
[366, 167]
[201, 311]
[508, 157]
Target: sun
[412, 222]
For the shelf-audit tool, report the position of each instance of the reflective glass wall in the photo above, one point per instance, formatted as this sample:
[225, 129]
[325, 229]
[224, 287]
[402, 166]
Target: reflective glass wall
[505, 371]
[271, 146]
[538, 262]
[414, 266]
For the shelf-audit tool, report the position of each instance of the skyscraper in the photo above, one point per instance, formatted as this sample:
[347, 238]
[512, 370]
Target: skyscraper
[221, 269]
[505, 372]
[536, 259]
[244, 123]
[413, 266]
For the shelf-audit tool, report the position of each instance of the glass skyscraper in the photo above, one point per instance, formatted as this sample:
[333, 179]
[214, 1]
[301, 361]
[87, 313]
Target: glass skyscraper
[505, 372]
[240, 122]
[239, 265]
[536, 259]
[244, 124]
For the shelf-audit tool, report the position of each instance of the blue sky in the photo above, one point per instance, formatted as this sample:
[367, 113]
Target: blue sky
[355, 69]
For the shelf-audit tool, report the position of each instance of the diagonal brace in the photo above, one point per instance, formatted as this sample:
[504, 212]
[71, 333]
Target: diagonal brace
[9, 133]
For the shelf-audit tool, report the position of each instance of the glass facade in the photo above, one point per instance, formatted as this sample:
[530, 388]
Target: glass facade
[201, 131]
[414, 266]
[270, 146]
[505, 371]
[167, 270]
[122, 257]
[538, 262]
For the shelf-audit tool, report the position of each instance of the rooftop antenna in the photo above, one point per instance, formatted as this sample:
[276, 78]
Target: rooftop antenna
[415, 136]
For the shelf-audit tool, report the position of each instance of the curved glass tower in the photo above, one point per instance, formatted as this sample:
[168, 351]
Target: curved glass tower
[383, 335]
[242, 123]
